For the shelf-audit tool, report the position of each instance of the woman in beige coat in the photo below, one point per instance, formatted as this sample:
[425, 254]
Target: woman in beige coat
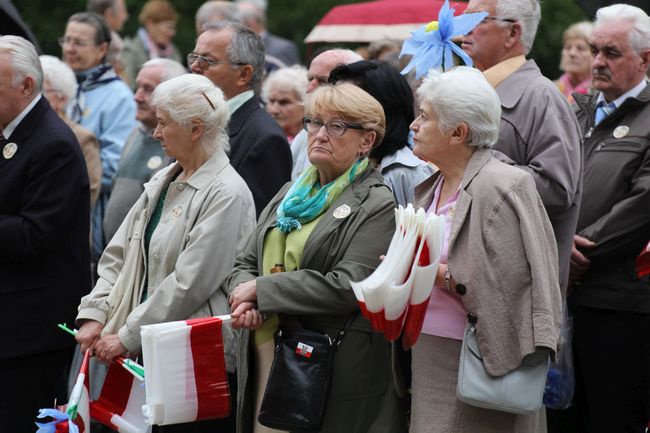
[179, 241]
[499, 261]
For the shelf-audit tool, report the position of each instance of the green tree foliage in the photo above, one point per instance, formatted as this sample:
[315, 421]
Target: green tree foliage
[292, 19]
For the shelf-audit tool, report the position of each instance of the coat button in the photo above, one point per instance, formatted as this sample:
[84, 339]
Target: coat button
[461, 289]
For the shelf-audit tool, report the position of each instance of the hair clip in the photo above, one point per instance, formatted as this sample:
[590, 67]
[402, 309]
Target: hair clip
[208, 99]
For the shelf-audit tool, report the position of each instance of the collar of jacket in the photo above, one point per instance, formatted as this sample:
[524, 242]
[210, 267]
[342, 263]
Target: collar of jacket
[239, 117]
[513, 87]
[587, 104]
[425, 191]
[200, 179]
[353, 196]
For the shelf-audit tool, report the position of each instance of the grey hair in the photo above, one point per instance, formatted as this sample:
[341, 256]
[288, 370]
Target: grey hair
[527, 12]
[293, 78]
[245, 47]
[24, 60]
[227, 10]
[60, 76]
[344, 56]
[170, 68]
[251, 11]
[115, 49]
[640, 34]
[100, 6]
[463, 95]
[579, 30]
[97, 22]
[191, 97]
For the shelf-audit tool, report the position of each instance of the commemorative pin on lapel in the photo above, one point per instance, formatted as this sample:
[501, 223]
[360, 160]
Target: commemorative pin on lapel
[621, 131]
[9, 150]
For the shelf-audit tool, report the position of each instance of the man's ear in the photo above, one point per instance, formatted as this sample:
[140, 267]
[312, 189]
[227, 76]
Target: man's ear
[245, 76]
[514, 35]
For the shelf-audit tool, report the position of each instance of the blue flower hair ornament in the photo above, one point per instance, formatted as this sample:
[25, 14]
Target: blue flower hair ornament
[60, 423]
[431, 45]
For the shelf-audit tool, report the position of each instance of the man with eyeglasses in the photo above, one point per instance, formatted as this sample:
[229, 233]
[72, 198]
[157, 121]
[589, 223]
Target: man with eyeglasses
[232, 57]
[538, 130]
[104, 104]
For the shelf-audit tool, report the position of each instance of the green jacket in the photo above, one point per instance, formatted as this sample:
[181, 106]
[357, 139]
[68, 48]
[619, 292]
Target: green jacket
[339, 250]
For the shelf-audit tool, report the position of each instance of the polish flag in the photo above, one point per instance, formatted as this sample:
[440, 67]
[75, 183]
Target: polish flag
[185, 371]
[119, 405]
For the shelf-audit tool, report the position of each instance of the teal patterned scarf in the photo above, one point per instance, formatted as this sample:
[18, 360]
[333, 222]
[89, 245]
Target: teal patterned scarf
[306, 199]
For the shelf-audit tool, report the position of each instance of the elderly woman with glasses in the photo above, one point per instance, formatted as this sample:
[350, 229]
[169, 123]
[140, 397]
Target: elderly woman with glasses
[179, 241]
[498, 266]
[327, 228]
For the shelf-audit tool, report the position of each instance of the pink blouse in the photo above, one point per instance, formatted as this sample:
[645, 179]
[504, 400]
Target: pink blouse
[446, 315]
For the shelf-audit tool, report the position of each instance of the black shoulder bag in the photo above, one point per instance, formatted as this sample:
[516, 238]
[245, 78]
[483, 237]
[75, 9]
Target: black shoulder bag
[299, 381]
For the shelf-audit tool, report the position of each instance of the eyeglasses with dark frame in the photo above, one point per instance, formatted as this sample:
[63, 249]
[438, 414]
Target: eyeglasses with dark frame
[334, 128]
[501, 20]
[206, 62]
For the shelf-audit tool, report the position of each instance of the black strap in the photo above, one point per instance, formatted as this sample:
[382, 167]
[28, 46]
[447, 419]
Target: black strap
[342, 332]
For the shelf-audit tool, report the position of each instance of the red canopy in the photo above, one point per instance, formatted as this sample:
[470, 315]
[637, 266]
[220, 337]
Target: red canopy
[374, 20]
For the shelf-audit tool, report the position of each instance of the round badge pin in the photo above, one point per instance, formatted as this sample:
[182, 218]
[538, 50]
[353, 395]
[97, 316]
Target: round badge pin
[342, 211]
[9, 150]
[621, 131]
[177, 211]
[154, 162]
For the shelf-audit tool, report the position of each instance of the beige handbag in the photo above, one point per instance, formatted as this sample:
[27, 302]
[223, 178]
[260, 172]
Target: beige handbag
[519, 391]
[125, 295]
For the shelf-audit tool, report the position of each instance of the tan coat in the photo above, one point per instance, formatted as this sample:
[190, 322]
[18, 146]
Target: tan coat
[90, 149]
[503, 257]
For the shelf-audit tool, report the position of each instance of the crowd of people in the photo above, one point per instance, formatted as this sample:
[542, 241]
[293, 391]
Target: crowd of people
[137, 189]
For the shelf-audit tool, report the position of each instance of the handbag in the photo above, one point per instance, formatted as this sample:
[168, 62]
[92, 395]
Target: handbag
[299, 381]
[519, 391]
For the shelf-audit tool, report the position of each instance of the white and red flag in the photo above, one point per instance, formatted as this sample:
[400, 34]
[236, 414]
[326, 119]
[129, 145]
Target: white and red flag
[74, 417]
[119, 405]
[185, 368]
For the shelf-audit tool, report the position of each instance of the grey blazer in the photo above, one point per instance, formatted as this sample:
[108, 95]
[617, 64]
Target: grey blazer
[503, 257]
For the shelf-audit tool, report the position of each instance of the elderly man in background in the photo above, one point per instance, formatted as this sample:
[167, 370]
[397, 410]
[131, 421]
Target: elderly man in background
[253, 15]
[59, 87]
[317, 75]
[44, 229]
[142, 155]
[610, 304]
[538, 130]
[113, 11]
[215, 10]
[232, 57]
[104, 104]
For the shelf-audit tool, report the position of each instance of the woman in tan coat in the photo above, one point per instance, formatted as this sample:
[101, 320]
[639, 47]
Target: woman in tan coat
[499, 260]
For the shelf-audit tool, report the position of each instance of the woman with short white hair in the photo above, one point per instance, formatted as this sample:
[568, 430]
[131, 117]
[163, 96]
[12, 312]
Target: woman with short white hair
[499, 259]
[284, 92]
[192, 220]
[59, 88]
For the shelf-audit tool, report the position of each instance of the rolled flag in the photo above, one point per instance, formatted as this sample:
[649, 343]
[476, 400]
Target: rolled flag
[119, 405]
[426, 268]
[643, 262]
[186, 372]
[75, 416]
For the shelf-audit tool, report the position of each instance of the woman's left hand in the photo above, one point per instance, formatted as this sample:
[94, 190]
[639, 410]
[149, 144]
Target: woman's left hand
[246, 315]
[108, 347]
[244, 292]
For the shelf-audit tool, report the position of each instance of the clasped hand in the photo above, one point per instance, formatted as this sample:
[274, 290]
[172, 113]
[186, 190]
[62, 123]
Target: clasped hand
[243, 304]
[104, 348]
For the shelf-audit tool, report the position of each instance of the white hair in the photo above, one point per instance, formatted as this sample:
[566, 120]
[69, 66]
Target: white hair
[60, 76]
[463, 95]
[293, 78]
[170, 68]
[24, 60]
[191, 97]
[343, 56]
[207, 11]
[640, 34]
[528, 13]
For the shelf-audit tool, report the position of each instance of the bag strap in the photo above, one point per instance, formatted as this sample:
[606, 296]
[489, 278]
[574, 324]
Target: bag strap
[342, 332]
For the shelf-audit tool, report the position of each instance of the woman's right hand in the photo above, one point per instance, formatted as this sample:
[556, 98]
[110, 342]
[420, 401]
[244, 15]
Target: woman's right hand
[89, 334]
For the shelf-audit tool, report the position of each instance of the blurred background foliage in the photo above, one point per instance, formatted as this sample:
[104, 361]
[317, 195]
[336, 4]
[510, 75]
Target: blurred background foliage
[292, 19]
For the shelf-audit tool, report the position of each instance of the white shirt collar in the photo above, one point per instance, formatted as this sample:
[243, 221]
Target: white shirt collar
[632, 93]
[238, 100]
[9, 129]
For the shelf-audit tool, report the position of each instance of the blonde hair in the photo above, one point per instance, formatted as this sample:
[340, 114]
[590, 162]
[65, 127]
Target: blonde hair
[350, 102]
[580, 30]
[157, 11]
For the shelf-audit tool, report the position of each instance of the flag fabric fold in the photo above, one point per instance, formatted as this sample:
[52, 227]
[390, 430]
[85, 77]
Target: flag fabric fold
[395, 296]
[185, 368]
[119, 405]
